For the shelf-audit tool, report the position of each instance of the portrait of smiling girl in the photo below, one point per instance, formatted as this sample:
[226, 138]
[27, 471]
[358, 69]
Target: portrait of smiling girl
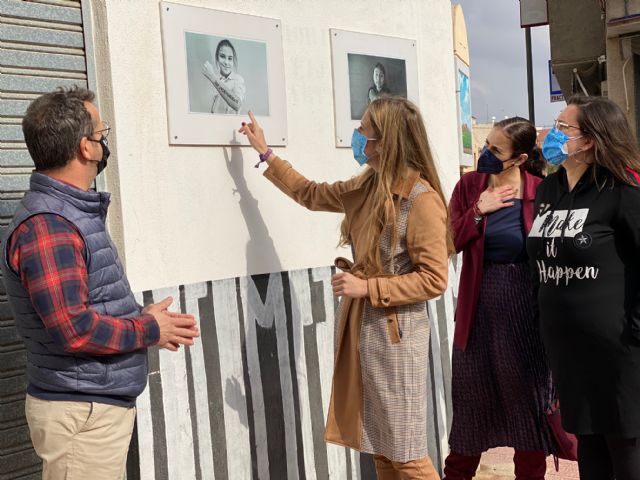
[228, 86]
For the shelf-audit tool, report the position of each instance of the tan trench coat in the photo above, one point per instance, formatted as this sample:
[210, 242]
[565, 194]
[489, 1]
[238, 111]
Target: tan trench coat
[379, 395]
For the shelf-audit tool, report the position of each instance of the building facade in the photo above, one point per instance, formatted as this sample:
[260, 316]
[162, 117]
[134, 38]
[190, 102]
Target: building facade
[595, 50]
[201, 224]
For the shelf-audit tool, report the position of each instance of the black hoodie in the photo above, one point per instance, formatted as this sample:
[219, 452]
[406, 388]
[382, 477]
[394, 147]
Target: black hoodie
[585, 254]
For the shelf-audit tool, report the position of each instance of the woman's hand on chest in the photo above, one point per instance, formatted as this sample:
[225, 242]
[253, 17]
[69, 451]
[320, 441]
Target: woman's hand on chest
[496, 198]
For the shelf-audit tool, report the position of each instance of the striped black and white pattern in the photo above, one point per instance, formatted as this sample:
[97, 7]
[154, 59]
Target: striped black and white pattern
[249, 400]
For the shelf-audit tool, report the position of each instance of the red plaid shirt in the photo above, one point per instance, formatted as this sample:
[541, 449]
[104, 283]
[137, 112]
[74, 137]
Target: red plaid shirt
[47, 253]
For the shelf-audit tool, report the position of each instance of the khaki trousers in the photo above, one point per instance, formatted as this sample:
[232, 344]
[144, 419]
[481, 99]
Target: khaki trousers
[420, 469]
[80, 440]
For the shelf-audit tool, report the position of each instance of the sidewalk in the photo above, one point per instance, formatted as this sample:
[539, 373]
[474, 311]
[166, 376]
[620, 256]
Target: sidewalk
[497, 464]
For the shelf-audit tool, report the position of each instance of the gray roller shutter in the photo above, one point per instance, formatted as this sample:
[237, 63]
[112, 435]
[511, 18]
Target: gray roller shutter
[41, 48]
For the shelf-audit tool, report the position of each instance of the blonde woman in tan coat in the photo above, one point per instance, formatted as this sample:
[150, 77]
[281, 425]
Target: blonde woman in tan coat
[396, 223]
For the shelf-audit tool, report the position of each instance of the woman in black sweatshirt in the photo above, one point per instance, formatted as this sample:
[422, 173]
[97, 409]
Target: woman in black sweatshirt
[584, 248]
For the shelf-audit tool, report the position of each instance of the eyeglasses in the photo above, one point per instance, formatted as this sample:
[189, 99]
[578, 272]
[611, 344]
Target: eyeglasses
[560, 125]
[105, 131]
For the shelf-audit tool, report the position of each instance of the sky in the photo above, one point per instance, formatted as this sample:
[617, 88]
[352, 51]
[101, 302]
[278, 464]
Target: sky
[498, 71]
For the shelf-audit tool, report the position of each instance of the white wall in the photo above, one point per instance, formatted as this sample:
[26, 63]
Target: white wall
[186, 216]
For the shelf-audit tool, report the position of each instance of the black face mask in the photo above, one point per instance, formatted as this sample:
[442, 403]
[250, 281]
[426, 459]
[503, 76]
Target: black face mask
[489, 163]
[102, 163]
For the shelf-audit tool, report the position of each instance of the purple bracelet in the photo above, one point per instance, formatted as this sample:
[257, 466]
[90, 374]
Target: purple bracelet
[263, 157]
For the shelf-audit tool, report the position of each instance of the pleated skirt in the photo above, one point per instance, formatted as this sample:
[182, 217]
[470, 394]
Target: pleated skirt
[501, 384]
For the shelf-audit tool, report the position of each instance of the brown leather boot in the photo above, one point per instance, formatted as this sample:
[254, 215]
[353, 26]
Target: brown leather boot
[420, 469]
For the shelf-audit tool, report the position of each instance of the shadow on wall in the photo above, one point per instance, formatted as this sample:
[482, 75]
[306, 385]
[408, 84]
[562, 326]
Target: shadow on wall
[302, 338]
[260, 243]
[267, 325]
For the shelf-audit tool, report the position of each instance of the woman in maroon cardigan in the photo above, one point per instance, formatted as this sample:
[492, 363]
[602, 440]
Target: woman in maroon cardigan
[501, 382]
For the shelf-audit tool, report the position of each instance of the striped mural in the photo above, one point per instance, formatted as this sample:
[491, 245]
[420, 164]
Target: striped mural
[249, 400]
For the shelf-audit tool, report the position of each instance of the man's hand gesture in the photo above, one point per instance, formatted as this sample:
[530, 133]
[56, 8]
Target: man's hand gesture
[175, 328]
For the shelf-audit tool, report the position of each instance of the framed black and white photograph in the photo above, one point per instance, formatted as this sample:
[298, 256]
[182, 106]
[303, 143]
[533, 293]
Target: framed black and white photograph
[367, 67]
[372, 77]
[232, 81]
[218, 67]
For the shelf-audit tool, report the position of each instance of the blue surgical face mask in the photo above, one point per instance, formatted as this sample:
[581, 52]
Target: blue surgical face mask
[554, 148]
[489, 163]
[358, 144]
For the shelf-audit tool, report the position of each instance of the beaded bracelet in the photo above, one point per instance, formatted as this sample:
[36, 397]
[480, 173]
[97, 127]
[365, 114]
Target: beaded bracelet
[263, 157]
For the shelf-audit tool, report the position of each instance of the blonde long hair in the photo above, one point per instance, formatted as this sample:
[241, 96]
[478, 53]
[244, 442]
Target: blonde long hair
[402, 144]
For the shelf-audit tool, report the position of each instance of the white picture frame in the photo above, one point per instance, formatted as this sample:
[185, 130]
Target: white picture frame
[199, 113]
[355, 57]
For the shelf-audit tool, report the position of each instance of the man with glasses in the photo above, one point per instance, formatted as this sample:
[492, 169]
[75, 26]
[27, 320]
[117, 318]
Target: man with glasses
[85, 335]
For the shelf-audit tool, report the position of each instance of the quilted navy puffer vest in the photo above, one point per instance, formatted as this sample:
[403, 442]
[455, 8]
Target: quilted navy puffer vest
[49, 367]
